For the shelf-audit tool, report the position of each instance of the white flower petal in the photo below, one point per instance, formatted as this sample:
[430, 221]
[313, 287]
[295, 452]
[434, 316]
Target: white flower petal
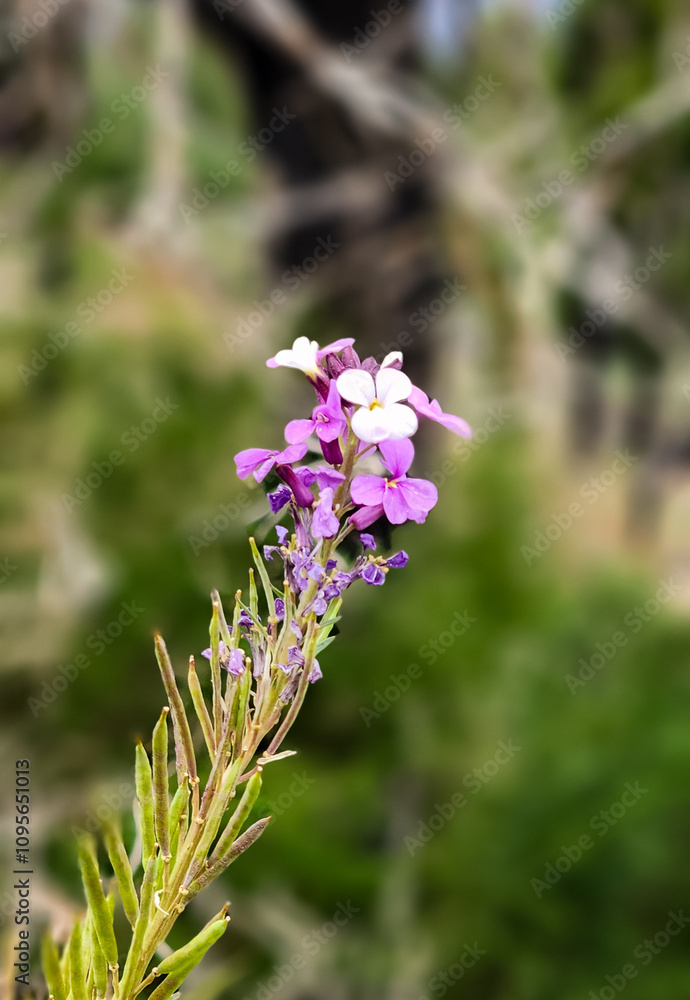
[390, 358]
[370, 425]
[304, 354]
[378, 424]
[392, 386]
[402, 421]
[356, 386]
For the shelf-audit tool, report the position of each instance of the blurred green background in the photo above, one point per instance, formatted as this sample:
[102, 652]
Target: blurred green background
[569, 656]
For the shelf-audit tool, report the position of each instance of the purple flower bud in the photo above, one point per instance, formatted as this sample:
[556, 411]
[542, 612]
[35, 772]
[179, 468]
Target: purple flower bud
[367, 541]
[280, 609]
[373, 575]
[399, 560]
[303, 495]
[280, 498]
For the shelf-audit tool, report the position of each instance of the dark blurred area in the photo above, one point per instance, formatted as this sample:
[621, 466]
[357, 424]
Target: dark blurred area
[493, 773]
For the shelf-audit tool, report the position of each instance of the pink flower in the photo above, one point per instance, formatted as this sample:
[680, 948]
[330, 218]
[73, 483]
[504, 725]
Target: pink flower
[397, 496]
[327, 421]
[260, 461]
[324, 524]
[420, 401]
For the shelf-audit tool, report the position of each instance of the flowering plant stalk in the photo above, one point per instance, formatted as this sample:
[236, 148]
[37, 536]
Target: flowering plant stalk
[260, 667]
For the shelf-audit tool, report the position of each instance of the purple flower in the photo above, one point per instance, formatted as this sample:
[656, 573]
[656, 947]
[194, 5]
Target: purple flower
[295, 657]
[322, 476]
[260, 461]
[399, 560]
[325, 524]
[280, 608]
[315, 674]
[373, 575]
[398, 497]
[246, 619]
[222, 652]
[319, 605]
[327, 420]
[367, 541]
[235, 664]
[282, 534]
[432, 409]
[280, 498]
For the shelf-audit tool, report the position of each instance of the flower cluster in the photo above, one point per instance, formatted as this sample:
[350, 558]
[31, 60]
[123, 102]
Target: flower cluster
[341, 470]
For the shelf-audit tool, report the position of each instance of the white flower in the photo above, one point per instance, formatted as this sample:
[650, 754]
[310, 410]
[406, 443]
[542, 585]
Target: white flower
[381, 415]
[306, 354]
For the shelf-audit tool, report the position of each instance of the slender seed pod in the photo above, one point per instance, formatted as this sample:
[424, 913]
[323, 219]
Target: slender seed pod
[77, 975]
[117, 854]
[100, 910]
[263, 573]
[64, 966]
[239, 818]
[200, 708]
[182, 961]
[225, 633]
[167, 988]
[184, 746]
[144, 787]
[215, 667]
[99, 965]
[141, 926]
[161, 802]
[242, 843]
[50, 961]
[179, 806]
[253, 595]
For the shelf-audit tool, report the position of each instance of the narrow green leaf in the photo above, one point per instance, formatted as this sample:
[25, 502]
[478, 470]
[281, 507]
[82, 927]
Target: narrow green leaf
[144, 786]
[123, 872]
[100, 910]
